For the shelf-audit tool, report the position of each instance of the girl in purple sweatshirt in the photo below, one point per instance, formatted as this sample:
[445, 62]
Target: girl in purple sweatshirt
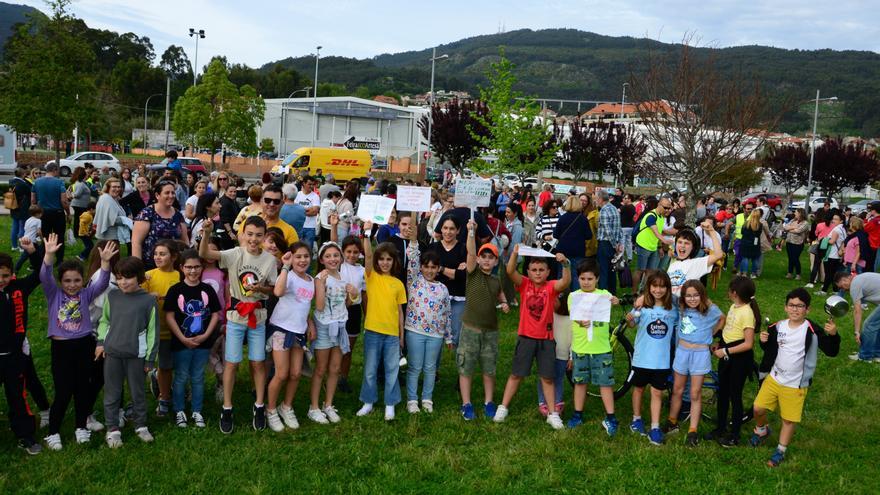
[73, 344]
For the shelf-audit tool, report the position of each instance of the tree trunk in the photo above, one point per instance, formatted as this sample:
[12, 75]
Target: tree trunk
[691, 202]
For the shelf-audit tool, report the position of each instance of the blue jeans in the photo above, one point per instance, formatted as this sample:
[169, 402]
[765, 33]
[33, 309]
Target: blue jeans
[308, 237]
[388, 346]
[744, 265]
[607, 276]
[455, 328]
[189, 365]
[627, 242]
[870, 346]
[17, 231]
[647, 260]
[572, 267]
[421, 353]
[558, 381]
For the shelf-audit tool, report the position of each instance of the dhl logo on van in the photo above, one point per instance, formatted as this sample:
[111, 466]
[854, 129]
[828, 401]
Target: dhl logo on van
[347, 163]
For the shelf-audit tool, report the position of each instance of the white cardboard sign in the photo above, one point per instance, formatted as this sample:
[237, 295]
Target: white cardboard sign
[376, 209]
[534, 252]
[588, 306]
[472, 193]
[412, 198]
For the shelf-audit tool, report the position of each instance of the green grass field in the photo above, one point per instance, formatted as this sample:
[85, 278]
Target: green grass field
[834, 451]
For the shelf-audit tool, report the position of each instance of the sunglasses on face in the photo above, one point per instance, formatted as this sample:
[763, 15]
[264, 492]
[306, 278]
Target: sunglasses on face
[272, 201]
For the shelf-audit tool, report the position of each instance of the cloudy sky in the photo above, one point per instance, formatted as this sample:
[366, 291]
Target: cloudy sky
[258, 31]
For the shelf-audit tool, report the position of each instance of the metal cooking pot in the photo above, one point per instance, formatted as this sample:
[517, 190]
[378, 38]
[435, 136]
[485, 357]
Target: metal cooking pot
[836, 306]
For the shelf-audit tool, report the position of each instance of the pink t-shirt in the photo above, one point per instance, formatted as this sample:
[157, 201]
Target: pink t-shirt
[851, 250]
[823, 230]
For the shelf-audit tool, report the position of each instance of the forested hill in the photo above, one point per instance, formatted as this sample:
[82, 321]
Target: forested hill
[10, 15]
[572, 64]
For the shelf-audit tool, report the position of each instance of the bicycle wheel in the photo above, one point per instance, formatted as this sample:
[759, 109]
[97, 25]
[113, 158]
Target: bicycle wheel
[621, 354]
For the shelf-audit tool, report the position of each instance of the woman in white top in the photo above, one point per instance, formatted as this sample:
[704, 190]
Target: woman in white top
[345, 208]
[190, 209]
[834, 254]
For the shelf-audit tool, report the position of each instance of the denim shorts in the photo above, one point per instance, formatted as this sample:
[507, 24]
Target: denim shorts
[647, 260]
[692, 361]
[256, 339]
[597, 369]
[323, 339]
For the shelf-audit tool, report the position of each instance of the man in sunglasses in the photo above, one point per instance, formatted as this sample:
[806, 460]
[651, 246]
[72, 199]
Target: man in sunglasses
[272, 201]
[650, 239]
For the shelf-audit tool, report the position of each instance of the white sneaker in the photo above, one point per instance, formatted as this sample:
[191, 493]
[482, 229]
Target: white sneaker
[389, 413]
[198, 419]
[144, 434]
[500, 414]
[553, 420]
[332, 414]
[318, 416]
[428, 406]
[855, 357]
[180, 419]
[44, 419]
[53, 442]
[91, 423]
[82, 435]
[808, 286]
[412, 406]
[288, 416]
[364, 410]
[274, 420]
[114, 439]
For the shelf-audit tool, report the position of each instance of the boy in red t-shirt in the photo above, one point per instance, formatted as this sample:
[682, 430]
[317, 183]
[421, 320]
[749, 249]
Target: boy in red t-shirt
[534, 341]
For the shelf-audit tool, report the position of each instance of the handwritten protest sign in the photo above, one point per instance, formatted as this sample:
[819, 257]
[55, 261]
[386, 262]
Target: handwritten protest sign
[411, 198]
[588, 306]
[472, 193]
[376, 209]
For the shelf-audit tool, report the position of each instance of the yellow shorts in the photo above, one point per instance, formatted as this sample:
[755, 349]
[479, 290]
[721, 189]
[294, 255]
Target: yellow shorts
[790, 400]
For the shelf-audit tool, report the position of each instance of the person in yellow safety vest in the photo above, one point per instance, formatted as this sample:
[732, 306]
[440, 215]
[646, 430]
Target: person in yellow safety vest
[649, 238]
[739, 221]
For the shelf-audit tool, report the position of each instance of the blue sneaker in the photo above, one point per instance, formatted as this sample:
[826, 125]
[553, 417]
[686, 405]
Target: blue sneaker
[776, 459]
[575, 421]
[610, 426]
[467, 411]
[489, 409]
[756, 439]
[655, 436]
[637, 426]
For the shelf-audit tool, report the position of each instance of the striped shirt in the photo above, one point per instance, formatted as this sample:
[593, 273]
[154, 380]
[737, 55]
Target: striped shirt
[545, 227]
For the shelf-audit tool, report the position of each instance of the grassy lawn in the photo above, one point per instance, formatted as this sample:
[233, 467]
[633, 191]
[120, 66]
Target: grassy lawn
[834, 450]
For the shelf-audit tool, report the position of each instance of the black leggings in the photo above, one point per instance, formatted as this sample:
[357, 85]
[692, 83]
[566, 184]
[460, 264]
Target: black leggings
[72, 365]
[794, 257]
[732, 376]
[832, 266]
[817, 262]
[34, 385]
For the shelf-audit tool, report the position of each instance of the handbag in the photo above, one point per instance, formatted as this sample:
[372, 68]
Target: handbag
[624, 276]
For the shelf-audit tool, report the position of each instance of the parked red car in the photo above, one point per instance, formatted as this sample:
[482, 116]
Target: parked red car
[773, 201]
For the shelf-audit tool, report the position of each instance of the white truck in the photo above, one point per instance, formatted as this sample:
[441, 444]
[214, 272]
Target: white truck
[7, 150]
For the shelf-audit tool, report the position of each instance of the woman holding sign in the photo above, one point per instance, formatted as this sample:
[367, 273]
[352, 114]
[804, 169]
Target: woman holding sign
[453, 273]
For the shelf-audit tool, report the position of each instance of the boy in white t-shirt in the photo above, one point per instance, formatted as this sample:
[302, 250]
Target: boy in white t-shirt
[252, 274]
[311, 201]
[31, 231]
[790, 353]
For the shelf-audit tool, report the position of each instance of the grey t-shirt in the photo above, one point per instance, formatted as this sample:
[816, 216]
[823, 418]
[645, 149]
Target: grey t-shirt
[865, 287]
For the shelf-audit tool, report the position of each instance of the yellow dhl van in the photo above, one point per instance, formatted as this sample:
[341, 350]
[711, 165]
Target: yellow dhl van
[344, 164]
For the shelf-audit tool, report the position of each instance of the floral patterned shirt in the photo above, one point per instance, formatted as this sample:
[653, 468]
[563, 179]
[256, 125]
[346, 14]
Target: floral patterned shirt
[428, 309]
[160, 228]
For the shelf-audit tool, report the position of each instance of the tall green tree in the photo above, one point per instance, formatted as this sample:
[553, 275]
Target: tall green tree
[517, 135]
[47, 79]
[216, 112]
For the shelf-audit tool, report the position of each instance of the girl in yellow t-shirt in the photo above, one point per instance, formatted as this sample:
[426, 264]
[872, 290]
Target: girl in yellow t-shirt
[158, 281]
[383, 327]
[736, 358]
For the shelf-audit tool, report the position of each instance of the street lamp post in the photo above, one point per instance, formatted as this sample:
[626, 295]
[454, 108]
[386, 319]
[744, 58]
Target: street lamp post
[315, 98]
[623, 101]
[196, 34]
[434, 59]
[813, 150]
[144, 144]
[281, 127]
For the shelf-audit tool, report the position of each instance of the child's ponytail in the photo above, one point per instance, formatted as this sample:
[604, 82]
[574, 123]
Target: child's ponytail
[745, 290]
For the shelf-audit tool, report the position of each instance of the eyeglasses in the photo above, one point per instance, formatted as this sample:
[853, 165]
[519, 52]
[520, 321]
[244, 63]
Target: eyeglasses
[192, 268]
[272, 201]
[222, 178]
[796, 306]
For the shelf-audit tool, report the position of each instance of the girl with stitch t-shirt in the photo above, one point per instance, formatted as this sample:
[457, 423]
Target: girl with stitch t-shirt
[290, 328]
[656, 323]
[735, 358]
[534, 341]
[700, 319]
[383, 328]
[332, 296]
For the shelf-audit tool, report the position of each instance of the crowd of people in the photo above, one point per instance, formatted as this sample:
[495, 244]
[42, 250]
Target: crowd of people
[285, 269]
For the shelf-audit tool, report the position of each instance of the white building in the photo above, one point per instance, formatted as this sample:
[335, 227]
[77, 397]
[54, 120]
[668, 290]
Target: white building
[290, 124]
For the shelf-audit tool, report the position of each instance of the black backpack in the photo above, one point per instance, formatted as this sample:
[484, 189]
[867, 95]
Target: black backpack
[639, 227]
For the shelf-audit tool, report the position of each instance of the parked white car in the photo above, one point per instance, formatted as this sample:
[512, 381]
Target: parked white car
[816, 203]
[96, 158]
[859, 207]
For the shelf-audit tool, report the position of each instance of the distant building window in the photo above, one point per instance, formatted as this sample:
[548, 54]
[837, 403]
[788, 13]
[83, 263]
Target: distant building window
[2, 141]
